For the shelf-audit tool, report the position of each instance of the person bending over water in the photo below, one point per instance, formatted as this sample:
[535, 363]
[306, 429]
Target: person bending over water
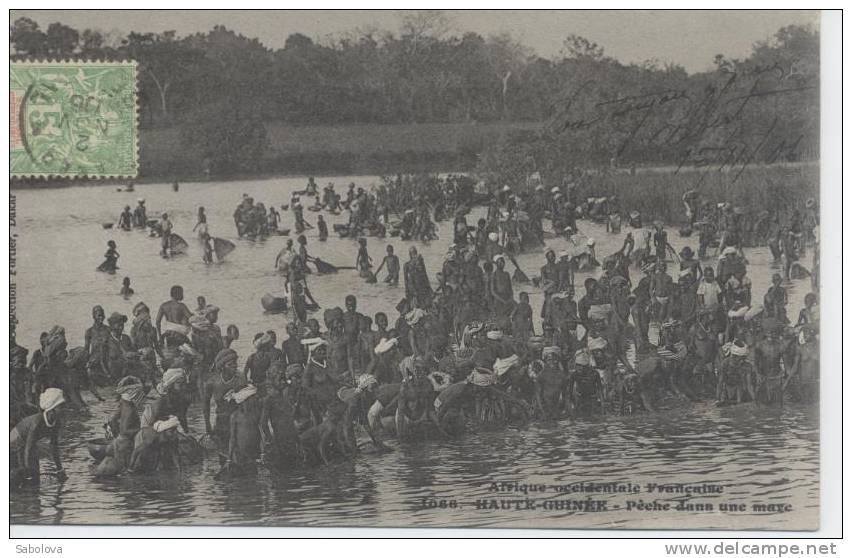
[110, 263]
[391, 261]
[24, 437]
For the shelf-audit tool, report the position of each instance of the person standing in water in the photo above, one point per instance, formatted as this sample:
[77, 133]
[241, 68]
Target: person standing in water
[204, 236]
[167, 227]
[125, 220]
[207, 247]
[311, 188]
[140, 217]
[95, 343]
[363, 262]
[272, 220]
[298, 216]
[201, 224]
[303, 252]
[322, 228]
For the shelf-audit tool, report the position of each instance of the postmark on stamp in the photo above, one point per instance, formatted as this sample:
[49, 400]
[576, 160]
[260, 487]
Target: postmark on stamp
[73, 119]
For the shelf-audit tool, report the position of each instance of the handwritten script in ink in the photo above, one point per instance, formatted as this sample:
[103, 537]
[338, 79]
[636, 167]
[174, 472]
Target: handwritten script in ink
[727, 119]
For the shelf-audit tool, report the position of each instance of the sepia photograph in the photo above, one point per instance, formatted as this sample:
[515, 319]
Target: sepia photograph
[496, 269]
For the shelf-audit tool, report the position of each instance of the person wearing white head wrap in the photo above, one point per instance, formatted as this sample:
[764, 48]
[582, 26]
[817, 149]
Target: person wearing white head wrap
[582, 358]
[552, 350]
[24, 437]
[168, 424]
[312, 344]
[169, 399]
[242, 394]
[366, 382]
[385, 345]
[481, 378]
[131, 389]
[738, 350]
[414, 316]
[171, 377]
[493, 236]
[596, 343]
[440, 380]
[503, 365]
[364, 405]
[50, 399]
[262, 341]
[123, 425]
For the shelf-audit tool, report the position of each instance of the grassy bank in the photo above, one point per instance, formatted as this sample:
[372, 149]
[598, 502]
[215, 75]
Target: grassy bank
[345, 149]
[658, 193]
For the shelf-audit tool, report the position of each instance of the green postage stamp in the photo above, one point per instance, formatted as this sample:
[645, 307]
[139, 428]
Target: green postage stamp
[73, 119]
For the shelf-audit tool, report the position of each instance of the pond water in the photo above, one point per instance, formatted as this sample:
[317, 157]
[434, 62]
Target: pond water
[758, 455]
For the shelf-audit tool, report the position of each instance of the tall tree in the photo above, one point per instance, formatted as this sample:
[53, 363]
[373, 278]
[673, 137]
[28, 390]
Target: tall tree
[163, 61]
[27, 39]
[61, 40]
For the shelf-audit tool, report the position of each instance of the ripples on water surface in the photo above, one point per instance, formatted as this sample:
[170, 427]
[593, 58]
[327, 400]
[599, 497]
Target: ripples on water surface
[759, 455]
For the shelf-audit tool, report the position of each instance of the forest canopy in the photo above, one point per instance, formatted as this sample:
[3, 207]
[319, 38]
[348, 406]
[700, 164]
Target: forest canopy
[593, 109]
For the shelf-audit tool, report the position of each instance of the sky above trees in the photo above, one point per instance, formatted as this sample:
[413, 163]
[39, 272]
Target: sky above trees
[688, 39]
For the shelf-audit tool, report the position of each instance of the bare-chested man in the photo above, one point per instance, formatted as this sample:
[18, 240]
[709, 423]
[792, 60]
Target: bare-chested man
[174, 313]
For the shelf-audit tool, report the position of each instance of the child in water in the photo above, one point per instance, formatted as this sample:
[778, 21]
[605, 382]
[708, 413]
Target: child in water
[392, 263]
[126, 290]
[363, 263]
[110, 263]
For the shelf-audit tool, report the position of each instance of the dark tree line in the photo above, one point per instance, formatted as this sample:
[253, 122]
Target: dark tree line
[763, 109]
[219, 87]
